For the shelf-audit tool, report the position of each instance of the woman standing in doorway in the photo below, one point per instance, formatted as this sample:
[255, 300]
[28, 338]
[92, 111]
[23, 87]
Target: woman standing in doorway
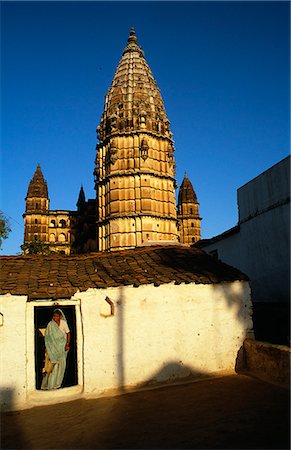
[57, 344]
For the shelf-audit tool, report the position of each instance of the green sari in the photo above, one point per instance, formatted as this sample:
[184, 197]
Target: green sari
[56, 355]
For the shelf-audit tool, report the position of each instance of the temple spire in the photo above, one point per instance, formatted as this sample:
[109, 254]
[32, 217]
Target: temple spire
[37, 186]
[188, 213]
[81, 199]
[186, 192]
[135, 158]
[37, 207]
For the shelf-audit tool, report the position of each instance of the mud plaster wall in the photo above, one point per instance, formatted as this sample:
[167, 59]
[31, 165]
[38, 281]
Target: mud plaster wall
[13, 351]
[268, 361]
[130, 336]
[162, 333]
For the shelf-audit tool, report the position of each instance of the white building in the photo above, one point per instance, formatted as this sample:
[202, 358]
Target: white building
[260, 244]
[138, 317]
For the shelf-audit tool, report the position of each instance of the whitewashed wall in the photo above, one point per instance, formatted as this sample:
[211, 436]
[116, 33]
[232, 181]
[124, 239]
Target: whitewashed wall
[13, 350]
[261, 246]
[155, 334]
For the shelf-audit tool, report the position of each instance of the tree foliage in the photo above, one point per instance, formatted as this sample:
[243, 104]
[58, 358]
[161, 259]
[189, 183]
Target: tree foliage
[36, 247]
[5, 227]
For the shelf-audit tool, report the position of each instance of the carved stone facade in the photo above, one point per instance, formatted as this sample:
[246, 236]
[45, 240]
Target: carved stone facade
[134, 175]
[64, 231]
[135, 167]
[37, 207]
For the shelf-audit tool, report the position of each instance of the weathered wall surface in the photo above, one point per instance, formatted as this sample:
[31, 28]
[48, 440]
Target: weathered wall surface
[267, 361]
[135, 337]
[228, 249]
[161, 333]
[265, 254]
[269, 189]
[261, 246]
[13, 349]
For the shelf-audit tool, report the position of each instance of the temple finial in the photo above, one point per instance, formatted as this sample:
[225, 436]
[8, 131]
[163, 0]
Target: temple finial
[132, 44]
[132, 36]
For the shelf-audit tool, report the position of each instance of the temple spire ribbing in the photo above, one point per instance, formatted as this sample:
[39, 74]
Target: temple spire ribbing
[135, 167]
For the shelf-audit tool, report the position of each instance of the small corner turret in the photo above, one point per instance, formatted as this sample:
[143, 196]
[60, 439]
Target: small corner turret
[188, 213]
[37, 208]
[81, 203]
[37, 198]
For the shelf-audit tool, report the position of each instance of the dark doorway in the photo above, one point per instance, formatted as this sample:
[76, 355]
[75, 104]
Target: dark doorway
[42, 315]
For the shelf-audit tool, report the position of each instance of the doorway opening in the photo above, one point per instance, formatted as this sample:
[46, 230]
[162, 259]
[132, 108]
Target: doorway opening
[42, 316]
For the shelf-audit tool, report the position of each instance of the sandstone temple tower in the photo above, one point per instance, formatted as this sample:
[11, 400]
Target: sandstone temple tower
[63, 231]
[135, 167]
[37, 207]
[42, 224]
[134, 177]
[188, 213]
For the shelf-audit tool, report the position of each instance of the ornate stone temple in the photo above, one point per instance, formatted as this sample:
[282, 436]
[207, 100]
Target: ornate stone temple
[134, 176]
[64, 231]
[135, 165]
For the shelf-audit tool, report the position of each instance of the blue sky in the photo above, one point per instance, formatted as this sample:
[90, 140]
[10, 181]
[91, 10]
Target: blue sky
[222, 67]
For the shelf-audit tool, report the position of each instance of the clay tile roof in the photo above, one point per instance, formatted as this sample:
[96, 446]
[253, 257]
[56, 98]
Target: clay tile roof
[37, 186]
[60, 276]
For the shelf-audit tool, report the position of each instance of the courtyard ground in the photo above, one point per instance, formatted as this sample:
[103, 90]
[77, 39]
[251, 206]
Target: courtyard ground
[231, 412]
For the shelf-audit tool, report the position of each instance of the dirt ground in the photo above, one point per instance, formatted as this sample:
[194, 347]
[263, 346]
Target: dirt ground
[233, 412]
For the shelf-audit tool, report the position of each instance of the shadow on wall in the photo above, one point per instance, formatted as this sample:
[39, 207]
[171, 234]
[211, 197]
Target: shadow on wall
[232, 298]
[7, 405]
[271, 319]
[272, 322]
[244, 316]
[207, 266]
[6, 398]
[120, 340]
[170, 372]
[175, 370]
